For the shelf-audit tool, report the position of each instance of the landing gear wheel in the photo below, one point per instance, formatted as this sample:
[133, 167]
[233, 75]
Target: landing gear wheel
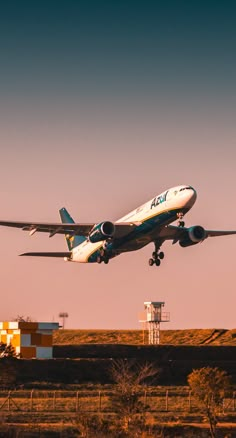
[99, 259]
[180, 216]
[157, 255]
[103, 256]
[105, 244]
[151, 262]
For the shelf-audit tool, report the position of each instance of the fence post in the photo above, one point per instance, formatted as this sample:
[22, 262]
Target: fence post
[77, 401]
[145, 399]
[99, 401]
[31, 399]
[189, 401]
[167, 400]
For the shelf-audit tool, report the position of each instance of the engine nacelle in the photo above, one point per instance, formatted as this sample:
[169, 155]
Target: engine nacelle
[193, 236]
[102, 231]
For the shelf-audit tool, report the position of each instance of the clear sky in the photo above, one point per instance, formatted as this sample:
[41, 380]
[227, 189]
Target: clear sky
[103, 105]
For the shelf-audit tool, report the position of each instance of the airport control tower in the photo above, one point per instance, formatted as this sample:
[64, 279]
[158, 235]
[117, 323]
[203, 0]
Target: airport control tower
[153, 318]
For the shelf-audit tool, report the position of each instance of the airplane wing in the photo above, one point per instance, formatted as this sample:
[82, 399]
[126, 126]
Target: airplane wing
[79, 229]
[172, 232]
[212, 233]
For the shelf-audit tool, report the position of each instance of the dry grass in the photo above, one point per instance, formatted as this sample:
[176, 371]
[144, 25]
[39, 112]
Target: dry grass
[73, 429]
[60, 413]
[135, 337]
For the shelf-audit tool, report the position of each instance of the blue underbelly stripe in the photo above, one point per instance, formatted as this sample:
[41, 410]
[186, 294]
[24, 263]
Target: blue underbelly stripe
[146, 227]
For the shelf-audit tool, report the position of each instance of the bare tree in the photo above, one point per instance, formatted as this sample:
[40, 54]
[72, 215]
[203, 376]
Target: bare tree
[208, 385]
[22, 318]
[129, 378]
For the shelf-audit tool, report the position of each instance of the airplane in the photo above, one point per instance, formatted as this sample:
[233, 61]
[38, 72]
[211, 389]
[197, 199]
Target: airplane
[151, 222]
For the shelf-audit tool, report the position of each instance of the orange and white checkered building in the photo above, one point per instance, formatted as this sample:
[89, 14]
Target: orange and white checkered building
[30, 339]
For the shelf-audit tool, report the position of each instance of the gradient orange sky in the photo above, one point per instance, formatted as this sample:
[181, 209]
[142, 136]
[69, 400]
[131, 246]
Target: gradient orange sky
[100, 117]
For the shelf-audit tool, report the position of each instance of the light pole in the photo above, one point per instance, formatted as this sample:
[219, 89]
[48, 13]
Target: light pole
[63, 315]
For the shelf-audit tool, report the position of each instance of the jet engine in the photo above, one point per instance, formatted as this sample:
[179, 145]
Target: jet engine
[193, 236]
[102, 231]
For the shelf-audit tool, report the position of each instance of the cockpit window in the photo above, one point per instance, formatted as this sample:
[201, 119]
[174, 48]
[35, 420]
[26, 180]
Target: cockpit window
[186, 188]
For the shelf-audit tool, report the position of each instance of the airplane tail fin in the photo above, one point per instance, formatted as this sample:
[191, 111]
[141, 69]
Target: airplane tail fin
[72, 241]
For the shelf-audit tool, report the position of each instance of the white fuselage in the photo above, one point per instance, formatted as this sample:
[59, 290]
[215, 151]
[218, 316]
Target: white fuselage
[174, 200]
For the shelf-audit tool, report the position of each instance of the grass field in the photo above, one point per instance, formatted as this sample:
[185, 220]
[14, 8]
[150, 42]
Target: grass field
[138, 337]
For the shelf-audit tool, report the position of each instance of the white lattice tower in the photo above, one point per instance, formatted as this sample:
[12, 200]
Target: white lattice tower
[153, 317]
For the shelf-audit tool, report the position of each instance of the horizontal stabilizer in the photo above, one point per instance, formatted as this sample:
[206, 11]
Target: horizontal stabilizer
[47, 254]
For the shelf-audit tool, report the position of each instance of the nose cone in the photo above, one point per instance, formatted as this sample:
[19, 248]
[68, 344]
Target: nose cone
[187, 196]
[192, 196]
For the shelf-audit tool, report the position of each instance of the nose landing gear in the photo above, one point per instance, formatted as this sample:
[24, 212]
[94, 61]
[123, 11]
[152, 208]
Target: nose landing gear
[180, 216]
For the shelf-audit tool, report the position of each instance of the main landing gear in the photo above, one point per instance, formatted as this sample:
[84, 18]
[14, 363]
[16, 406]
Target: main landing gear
[157, 256]
[180, 216]
[103, 257]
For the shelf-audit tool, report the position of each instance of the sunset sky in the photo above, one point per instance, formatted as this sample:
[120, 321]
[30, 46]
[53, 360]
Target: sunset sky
[103, 105]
